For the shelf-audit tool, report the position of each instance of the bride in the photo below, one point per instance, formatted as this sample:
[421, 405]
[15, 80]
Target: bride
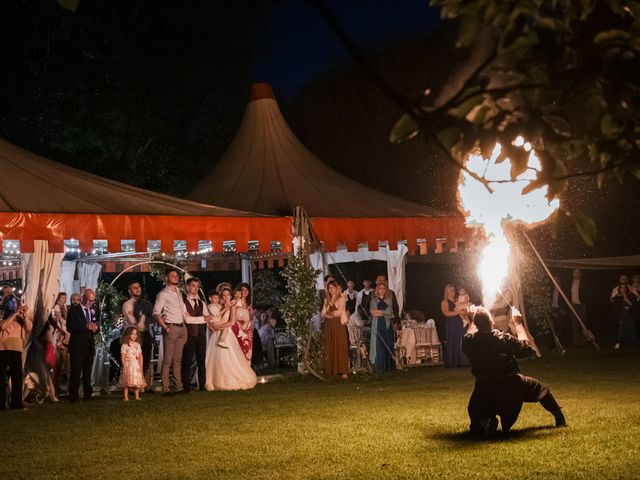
[227, 367]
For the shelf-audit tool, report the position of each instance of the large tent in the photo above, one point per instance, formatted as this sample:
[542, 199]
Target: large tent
[44, 200]
[268, 170]
[43, 204]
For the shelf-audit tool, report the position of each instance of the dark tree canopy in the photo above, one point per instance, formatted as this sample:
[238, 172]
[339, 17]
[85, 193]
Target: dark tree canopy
[345, 119]
[129, 90]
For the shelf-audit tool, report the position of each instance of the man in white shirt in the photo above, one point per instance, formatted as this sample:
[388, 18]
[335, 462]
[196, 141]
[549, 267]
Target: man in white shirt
[576, 296]
[169, 311]
[196, 319]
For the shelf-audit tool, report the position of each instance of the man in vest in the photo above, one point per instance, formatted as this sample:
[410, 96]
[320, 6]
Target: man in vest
[358, 319]
[196, 320]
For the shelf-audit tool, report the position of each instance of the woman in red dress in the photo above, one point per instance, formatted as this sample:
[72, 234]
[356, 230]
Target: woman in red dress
[242, 328]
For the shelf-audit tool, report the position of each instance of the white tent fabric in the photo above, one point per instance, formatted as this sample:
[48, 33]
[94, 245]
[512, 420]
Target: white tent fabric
[39, 185]
[319, 263]
[267, 169]
[396, 272]
[396, 265]
[67, 275]
[88, 274]
[41, 274]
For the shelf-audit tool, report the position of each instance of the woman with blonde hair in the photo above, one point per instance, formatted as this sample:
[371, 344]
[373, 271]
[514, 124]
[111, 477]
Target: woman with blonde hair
[336, 344]
[382, 337]
[453, 356]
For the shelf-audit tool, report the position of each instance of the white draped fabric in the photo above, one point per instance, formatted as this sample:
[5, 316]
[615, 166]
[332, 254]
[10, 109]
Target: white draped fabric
[67, 274]
[41, 274]
[396, 265]
[318, 263]
[88, 274]
[396, 272]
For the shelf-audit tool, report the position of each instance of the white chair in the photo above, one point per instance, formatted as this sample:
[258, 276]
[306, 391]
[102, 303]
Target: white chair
[428, 347]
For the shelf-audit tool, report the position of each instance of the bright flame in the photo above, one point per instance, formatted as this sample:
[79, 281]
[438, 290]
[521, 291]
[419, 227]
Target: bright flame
[506, 202]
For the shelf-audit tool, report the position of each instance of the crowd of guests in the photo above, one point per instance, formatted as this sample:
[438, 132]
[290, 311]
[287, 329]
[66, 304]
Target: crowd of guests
[218, 335]
[225, 336]
[344, 316]
[624, 301]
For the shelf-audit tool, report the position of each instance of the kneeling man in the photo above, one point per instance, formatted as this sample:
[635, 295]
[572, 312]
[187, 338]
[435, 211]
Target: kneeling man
[500, 389]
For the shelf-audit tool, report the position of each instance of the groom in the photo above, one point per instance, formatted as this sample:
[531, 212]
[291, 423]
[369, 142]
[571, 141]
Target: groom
[196, 319]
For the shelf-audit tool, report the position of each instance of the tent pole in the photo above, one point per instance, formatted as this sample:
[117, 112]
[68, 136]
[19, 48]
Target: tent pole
[585, 331]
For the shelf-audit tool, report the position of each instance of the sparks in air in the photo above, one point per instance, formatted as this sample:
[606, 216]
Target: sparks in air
[505, 203]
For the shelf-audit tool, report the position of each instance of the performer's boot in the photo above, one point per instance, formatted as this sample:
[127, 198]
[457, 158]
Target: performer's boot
[551, 405]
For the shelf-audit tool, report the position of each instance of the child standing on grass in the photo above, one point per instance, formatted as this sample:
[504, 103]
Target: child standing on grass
[131, 356]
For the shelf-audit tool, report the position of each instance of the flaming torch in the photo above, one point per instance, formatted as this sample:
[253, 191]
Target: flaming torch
[504, 201]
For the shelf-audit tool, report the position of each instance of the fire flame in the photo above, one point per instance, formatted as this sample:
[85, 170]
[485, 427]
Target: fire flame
[506, 203]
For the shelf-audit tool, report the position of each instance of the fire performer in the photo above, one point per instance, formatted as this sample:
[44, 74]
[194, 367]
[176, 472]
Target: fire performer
[500, 389]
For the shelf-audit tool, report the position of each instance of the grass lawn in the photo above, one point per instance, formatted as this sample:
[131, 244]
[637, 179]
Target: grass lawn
[407, 425]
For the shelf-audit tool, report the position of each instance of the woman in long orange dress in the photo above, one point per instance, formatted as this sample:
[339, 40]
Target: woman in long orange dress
[336, 344]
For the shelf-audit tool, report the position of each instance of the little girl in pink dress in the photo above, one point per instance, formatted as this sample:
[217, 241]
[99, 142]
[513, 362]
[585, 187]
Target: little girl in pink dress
[132, 375]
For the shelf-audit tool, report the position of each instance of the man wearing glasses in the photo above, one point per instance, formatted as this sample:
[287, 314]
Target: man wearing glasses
[82, 324]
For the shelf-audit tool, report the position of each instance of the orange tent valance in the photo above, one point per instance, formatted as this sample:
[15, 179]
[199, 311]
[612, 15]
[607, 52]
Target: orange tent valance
[354, 231]
[57, 227]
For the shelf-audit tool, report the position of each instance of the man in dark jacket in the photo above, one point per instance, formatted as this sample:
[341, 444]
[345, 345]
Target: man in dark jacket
[500, 388]
[82, 324]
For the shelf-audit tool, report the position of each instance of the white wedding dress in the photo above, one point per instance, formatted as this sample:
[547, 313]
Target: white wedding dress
[227, 368]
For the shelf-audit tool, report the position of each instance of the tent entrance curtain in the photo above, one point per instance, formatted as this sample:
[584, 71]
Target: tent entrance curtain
[54, 227]
[396, 266]
[41, 274]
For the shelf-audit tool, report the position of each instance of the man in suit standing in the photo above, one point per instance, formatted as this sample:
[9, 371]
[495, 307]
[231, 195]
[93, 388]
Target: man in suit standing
[82, 324]
[196, 319]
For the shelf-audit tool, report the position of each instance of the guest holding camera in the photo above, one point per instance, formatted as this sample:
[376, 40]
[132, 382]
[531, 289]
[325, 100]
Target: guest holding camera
[14, 329]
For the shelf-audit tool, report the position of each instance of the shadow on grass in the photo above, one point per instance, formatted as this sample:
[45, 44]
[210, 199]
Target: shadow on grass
[466, 438]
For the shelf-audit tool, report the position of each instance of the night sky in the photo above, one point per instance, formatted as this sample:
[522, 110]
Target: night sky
[301, 45]
[133, 91]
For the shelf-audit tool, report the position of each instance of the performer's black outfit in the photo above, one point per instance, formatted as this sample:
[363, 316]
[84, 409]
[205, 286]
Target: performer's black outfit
[500, 389]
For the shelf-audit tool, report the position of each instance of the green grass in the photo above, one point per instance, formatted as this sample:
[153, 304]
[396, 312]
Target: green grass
[408, 425]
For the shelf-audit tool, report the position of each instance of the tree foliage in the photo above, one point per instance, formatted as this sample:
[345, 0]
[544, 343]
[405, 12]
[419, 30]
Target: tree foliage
[563, 74]
[266, 289]
[300, 303]
[129, 90]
